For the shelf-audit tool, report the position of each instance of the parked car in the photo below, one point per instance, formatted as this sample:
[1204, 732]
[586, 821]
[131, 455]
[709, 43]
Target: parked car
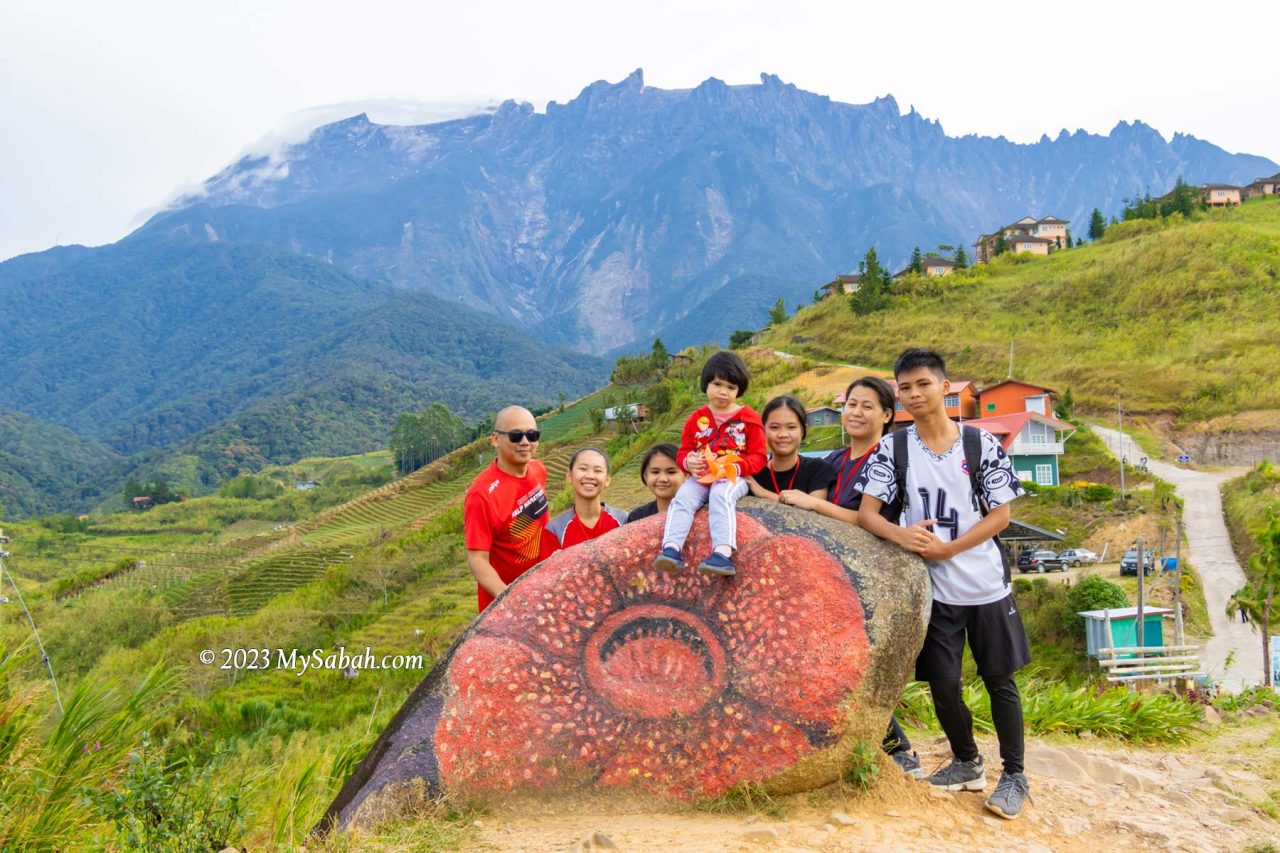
[1129, 563]
[4, 553]
[1078, 556]
[1040, 561]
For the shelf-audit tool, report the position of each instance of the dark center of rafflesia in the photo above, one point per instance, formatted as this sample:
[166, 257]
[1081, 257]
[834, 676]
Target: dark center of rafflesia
[655, 661]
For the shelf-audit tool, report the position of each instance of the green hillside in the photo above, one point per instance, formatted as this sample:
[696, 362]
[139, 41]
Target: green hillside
[201, 361]
[1179, 317]
[44, 467]
[357, 562]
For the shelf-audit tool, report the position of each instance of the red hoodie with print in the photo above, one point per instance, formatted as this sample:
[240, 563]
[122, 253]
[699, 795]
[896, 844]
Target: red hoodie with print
[742, 433]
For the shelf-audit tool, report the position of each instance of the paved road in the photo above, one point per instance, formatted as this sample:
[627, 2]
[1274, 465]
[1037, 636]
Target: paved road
[1210, 551]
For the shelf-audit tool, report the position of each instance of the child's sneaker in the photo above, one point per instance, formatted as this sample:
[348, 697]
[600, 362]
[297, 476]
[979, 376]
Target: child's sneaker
[717, 564]
[669, 560]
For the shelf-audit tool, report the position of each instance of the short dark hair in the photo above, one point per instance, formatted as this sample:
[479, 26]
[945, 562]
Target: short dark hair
[665, 448]
[573, 460]
[916, 358]
[883, 390]
[727, 367]
[786, 401]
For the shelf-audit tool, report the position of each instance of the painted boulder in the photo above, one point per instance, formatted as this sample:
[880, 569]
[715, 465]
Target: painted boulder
[595, 672]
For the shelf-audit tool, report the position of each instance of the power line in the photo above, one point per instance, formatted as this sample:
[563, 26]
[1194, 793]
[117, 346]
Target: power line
[43, 654]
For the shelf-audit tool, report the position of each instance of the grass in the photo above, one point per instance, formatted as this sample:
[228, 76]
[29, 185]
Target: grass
[1180, 316]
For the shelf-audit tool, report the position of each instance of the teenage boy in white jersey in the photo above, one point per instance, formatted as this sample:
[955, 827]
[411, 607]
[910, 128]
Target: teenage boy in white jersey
[944, 522]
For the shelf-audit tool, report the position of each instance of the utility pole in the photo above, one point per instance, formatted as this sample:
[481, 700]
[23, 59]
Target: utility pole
[1178, 638]
[1010, 376]
[1120, 415]
[1142, 573]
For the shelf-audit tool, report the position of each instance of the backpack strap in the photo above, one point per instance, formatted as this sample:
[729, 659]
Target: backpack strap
[894, 509]
[971, 437]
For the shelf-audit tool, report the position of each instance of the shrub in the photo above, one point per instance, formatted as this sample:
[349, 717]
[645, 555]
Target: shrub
[1098, 492]
[1092, 593]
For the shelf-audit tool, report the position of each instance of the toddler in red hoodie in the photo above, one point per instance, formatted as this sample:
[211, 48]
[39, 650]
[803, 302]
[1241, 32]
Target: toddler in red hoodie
[722, 438]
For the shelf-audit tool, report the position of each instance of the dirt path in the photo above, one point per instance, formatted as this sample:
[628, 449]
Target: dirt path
[1086, 798]
[1211, 553]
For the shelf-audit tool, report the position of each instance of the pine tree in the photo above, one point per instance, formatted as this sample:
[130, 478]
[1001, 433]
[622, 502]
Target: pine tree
[1097, 225]
[1002, 245]
[917, 262]
[873, 285]
[659, 357]
[817, 296]
[961, 258]
[778, 313]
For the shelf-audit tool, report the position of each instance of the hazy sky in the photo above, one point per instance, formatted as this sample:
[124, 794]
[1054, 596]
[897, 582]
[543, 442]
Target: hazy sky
[110, 108]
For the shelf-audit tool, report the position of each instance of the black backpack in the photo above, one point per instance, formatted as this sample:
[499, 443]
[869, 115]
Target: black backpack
[971, 439]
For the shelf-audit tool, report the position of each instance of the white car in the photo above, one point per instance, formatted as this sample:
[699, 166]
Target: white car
[1077, 556]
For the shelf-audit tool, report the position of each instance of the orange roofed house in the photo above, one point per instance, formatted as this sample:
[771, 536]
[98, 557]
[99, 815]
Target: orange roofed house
[1028, 234]
[1020, 415]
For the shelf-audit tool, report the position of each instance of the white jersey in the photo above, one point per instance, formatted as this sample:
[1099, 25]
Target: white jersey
[938, 487]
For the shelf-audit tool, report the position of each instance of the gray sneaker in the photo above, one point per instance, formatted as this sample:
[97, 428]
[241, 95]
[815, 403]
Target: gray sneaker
[908, 763]
[1010, 792]
[960, 776]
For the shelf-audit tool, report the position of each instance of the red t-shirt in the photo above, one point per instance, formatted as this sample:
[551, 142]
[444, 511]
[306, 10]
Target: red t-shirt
[507, 516]
[575, 532]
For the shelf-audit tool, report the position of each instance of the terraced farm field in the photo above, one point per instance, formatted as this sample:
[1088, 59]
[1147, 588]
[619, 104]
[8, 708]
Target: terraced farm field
[259, 582]
[573, 419]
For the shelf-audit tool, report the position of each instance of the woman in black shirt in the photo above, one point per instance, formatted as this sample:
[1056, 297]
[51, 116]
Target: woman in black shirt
[784, 431]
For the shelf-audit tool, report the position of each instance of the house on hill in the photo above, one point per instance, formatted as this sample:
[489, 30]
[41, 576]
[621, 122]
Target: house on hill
[1220, 195]
[1033, 441]
[933, 265]
[1262, 187]
[143, 502]
[839, 285]
[1011, 397]
[822, 415]
[1028, 234]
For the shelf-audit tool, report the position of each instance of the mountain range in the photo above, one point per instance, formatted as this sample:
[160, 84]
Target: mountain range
[306, 296]
[633, 212]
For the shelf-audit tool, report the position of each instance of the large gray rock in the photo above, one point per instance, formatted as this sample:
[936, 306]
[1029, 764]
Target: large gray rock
[595, 672]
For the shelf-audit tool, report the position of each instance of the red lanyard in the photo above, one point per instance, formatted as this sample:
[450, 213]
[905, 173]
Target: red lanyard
[794, 472]
[843, 477]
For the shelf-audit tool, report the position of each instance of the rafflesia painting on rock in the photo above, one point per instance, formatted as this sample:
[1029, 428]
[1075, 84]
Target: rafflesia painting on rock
[595, 672]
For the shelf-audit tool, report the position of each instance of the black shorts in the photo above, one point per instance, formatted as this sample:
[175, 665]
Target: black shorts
[996, 638]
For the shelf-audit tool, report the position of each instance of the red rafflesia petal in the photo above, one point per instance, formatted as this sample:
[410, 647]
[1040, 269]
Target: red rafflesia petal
[518, 717]
[706, 755]
[556, 607]
[794, 629]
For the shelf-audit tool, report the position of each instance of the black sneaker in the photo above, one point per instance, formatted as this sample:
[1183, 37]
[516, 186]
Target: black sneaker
[960, 776]
[669, 560]
[1011, 791]
[909, 763]
[717, 564]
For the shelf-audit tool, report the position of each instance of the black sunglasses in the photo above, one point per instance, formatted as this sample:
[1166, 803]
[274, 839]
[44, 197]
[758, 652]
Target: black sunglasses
[516, 434]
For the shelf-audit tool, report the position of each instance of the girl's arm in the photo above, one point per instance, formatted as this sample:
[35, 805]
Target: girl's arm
[816, 501]
[759, 491]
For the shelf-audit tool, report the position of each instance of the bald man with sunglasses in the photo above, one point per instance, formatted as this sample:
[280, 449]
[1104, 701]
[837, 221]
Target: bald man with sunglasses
[505, 515]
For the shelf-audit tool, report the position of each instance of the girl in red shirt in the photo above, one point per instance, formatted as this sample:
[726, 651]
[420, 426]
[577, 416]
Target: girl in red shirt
[588, 476]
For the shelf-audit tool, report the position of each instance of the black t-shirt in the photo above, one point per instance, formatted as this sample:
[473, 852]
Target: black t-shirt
[812, 475]
[644, 511]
